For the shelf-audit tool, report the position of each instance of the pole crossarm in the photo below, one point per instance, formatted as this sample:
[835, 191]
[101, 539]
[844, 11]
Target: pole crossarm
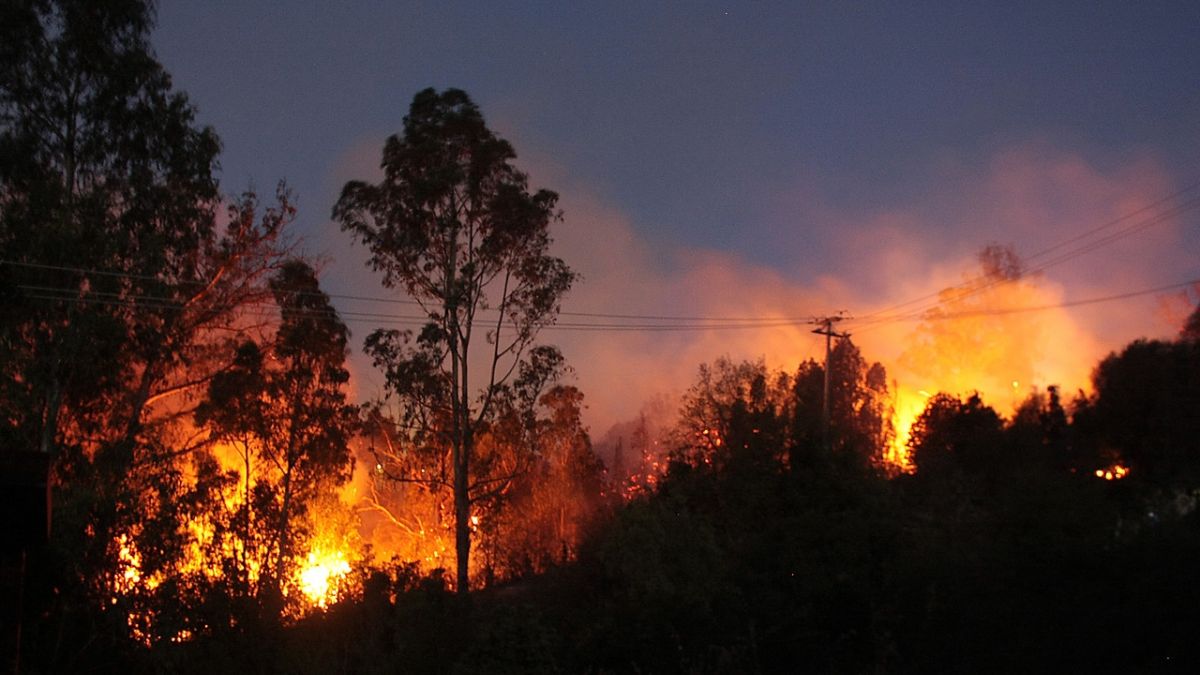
[825, 327]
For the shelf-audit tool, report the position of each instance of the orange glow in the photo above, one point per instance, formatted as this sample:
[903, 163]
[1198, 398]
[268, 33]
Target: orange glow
[907, 407]
[1114, 472]
[325, 544]
[977, 340]
[319, 576]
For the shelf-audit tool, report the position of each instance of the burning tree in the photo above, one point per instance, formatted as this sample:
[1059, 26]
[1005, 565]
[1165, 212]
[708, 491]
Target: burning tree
[281, 408]
[236, 523]
[124, 295]
[454, 226]
[977, 338]
[551, 503]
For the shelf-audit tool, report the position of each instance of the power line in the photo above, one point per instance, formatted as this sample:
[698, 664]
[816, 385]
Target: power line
[365, 298]
[265, 309]
[968, 289]
[662, 322]
[191, 282]
[1066, 304]
[669, 320]
[1081, 250]
[1117, 221]
[948, 316]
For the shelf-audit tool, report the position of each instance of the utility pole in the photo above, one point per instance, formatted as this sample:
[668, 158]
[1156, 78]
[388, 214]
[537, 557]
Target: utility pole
[825, 327]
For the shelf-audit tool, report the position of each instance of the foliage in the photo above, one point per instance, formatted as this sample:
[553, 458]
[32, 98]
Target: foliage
[957, 435]
[281, 411]
[1142, 413]
[740, 407]
[188, 378]
[107, 199]
[548, 508]
[532, 522]
[860, 420]
[122, 295]
[454, 226]
[745, 413]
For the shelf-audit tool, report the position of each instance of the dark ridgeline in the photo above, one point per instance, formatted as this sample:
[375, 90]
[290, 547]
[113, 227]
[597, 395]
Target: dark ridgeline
[1004, 552]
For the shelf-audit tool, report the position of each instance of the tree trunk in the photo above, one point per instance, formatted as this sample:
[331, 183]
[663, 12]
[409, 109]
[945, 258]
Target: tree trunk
[462, 512]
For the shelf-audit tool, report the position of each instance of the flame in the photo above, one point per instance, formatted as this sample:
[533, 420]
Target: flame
[977, 339]
[320, 575]
[129, 573]
[1114, 472]
[907, 407]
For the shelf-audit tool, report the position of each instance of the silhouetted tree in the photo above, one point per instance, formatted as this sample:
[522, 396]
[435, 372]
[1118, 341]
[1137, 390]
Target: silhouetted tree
[283, 408]
[1143, 413]
[1191, 327]
[115, 284]
[860, 406]
[107, 226]
[1040, 433]
[454, 226]
[735, 412]
[957, 435]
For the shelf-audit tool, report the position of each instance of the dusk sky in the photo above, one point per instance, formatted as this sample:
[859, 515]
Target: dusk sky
[747, 159]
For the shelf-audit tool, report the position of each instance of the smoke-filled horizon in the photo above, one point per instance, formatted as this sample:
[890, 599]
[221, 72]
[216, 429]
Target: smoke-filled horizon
[1101, 233]
[1028, 198]
[763, 162]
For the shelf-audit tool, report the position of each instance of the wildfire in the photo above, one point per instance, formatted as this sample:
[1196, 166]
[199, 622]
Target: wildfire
[976, 340]
[1114, 472]
[130, 574]
[215, 551]
[319, 578]
[907, 407]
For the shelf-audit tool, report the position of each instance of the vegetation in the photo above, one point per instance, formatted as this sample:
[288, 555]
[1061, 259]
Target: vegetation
[454, 226]
[184, 376]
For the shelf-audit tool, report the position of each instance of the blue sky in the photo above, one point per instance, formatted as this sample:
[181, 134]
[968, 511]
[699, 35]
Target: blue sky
[845, 153]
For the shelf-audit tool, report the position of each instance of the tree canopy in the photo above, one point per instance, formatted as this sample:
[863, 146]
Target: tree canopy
[454, 226]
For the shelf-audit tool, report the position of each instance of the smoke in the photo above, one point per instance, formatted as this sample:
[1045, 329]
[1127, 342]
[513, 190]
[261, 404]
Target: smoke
[862, 259]
[1030, 197]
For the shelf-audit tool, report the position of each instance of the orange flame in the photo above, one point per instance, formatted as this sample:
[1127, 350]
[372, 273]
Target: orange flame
[1114, 472]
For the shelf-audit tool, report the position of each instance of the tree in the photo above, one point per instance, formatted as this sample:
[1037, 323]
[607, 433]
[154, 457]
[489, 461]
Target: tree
[746, 414]
[859, 411]
[454, 225]
[1040, 433]
[735, 411]
[976, 337]
[549, 506]
[283, 408]
[957, 435]
[118, 288]
[101, 168]
[1191, 327]
[1142, 414]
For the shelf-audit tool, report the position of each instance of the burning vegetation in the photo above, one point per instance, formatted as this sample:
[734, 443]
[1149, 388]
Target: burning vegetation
[220, 501]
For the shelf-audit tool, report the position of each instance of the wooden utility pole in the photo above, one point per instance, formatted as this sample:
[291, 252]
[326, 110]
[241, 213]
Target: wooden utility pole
[825, 327]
